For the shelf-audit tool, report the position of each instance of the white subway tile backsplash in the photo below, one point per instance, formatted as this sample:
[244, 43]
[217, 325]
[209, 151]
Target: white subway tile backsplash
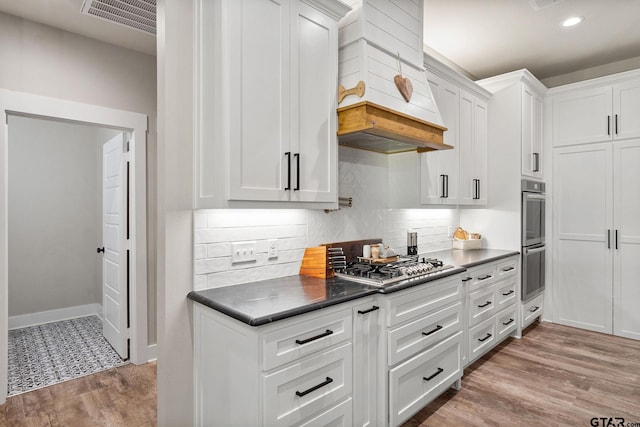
[199, 251]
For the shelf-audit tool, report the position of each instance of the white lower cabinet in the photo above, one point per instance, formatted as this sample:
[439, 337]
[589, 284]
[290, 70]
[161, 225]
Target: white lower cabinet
[421, 379]
[491, 294]
[532, 310]
[306, 387]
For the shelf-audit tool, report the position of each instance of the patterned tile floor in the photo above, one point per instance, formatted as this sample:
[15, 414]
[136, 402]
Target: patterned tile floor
[43, 355]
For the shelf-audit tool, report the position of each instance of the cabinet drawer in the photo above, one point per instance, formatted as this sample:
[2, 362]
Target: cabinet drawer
[421, 379]
[531, 310]
[505, 293]
[480, 276]
[301, 390]
[506, 322]
[481, 338]
[340, 415]
[299, 339]
[422, 299]
[415, 336]
[507, 268]
[482, 305]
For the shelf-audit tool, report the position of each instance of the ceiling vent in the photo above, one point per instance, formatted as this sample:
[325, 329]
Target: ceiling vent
[543, 4]
[137, 14]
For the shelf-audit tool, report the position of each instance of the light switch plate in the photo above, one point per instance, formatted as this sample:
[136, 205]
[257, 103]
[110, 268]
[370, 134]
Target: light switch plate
[243, 251]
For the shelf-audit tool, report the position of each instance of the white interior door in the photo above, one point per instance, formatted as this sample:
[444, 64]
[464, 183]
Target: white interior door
[114, 271]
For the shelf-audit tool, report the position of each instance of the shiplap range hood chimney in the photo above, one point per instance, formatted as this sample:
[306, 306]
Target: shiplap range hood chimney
[385, 103]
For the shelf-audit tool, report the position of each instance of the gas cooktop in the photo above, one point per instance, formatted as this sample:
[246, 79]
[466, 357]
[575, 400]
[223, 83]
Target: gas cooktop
[383, 274]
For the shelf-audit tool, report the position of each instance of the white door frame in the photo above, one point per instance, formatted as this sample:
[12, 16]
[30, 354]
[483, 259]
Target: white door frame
[29, 105]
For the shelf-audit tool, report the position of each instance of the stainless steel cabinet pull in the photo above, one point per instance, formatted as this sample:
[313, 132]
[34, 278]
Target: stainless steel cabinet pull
[488, 276]
[374, 308]
[616, 125]
[466, 279]
[608, 125]
[317, 337]
[433, 331]
[446, 179]
[508, 268]
[616, 239]
[485, 338]
[328, 381]
[508, 293]
[485, 304]
[508, 322]
[288, 154]
[534, 309]
[442, 192]
[430, 377]
[608, 239]
[536, 162]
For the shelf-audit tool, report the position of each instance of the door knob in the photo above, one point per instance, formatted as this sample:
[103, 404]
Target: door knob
[100, 250]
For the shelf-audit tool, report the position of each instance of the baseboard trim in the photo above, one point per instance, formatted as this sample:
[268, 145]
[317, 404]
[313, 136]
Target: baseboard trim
[152, 352]
[33, 319]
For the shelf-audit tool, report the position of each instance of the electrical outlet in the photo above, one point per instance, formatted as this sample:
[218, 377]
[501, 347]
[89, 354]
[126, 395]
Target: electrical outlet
[273, 248]
[243, 251]
[450, 232]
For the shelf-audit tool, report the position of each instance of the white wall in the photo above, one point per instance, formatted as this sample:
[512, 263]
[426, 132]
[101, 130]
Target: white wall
[45, 61]
[53, 207]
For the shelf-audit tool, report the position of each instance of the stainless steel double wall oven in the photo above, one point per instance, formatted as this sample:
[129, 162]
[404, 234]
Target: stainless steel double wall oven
[533, 238]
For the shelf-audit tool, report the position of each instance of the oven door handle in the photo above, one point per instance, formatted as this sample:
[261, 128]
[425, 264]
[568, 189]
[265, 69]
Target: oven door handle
[535, 250]
[535, 196]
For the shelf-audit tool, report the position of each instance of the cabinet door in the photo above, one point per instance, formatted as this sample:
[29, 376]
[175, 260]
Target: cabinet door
[367, 383]
[439, 169]
[626, 110]
[582, 255]
[531, 133]
[626, 241]
[314, 76]
[480, 135]
[258, 54]
[465, 142]
[582, 117]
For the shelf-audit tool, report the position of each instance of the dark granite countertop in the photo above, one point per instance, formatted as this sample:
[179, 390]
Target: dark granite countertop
[471, 258]
[266, 301]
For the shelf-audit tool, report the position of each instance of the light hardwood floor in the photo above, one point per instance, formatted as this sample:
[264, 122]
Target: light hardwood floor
[123, 396]
[554, 376]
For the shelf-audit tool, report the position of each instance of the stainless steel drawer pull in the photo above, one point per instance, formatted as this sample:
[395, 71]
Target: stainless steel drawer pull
[508, 322]
[433, 331]
[328, 381]
[485, 304]
[488, 276]
[374, 308]
[430, 377]
[466, 279]
[485, 338]
[317, 337]
[534, 309]
[508, 268]
[508, 293]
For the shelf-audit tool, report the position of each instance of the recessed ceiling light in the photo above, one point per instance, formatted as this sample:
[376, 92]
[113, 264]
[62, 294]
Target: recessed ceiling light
[574, 20]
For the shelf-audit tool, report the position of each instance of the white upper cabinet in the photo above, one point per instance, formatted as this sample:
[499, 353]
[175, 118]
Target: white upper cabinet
[439, 169]
[267, 100]
[472, 140]
[597, 113]
[531, 133]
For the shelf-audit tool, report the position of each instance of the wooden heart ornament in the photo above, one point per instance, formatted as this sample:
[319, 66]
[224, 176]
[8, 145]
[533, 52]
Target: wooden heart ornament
[404, 86]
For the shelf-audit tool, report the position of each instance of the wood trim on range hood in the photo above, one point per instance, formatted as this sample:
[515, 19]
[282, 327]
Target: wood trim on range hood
[372, 127]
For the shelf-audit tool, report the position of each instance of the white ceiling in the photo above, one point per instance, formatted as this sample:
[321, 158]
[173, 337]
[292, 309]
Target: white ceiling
[483, 37]
[490, 37]
[65, 14]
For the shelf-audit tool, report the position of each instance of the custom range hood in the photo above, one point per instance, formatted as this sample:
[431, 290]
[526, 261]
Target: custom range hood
[385, 103]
